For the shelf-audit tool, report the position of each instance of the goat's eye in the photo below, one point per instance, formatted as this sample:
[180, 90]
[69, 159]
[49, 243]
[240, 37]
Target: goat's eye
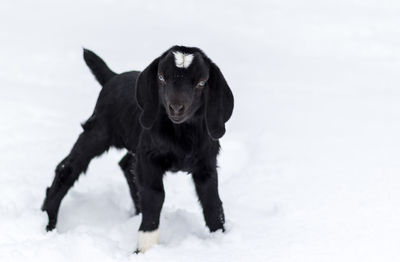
[201, 83]
[161, 78]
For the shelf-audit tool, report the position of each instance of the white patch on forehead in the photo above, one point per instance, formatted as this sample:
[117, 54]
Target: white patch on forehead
[182, 60]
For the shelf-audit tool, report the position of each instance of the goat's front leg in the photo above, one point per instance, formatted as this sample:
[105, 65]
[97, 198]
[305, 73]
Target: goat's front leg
[206, 184]
[150, 174]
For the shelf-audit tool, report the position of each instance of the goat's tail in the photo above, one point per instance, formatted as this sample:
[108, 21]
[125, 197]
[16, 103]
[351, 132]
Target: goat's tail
[98, 67]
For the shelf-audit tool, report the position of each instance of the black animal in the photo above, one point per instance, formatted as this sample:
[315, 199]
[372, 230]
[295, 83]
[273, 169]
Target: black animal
[169, 117]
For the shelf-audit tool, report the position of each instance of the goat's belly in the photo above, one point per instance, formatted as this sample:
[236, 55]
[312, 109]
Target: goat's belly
[184, 165]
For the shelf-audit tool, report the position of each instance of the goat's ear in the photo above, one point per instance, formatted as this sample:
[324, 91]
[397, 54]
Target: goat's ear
[147, 94]
[219, 103]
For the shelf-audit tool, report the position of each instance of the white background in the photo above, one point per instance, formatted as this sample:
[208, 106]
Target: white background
[310, 165]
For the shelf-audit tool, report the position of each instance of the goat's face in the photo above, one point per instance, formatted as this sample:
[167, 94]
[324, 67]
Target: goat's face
[181, 79]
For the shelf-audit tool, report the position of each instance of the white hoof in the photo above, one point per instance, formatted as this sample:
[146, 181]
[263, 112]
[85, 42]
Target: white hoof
[147, 239]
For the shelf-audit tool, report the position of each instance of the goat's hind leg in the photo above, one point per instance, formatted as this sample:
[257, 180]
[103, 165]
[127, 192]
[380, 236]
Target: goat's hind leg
[128, 166]
[91, 143]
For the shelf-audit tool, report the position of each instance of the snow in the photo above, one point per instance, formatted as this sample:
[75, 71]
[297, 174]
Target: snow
[310, 165]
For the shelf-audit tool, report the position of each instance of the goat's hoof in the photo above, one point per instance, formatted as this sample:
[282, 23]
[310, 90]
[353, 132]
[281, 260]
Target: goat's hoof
[50, 228]
[51, 225]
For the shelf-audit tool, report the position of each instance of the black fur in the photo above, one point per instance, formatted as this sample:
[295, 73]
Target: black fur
[168, 118]
[98, 67]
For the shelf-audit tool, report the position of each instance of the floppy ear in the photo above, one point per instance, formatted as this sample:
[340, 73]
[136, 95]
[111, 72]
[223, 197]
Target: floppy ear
[147, 94]
[219, 103]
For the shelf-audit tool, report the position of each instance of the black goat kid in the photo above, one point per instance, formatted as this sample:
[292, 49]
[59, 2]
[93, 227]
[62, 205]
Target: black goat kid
[169, 117]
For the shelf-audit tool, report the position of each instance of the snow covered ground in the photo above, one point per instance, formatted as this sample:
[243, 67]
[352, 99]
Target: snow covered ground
[310, 167]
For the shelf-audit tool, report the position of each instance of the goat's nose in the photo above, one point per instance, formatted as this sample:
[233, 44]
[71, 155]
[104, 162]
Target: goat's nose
[176, 108]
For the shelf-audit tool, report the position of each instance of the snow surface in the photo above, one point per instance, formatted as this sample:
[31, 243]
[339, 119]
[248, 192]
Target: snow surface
[310, 165]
